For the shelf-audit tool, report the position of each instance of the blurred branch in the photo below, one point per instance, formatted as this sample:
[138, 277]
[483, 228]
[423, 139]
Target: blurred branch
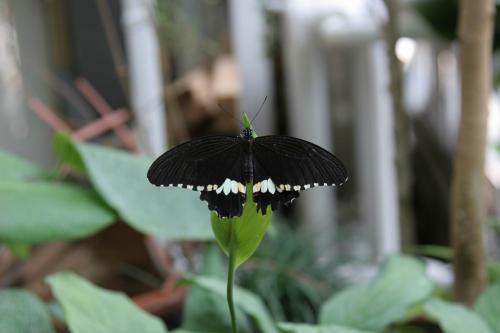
[102, 125]
[68, 93]
[402, 130]
[115, 47]
[468, 209]
[48, 115]
[103, 108]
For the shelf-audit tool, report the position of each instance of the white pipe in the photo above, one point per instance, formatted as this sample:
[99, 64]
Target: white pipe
[308, 96]
[249, 45]
[145, 75]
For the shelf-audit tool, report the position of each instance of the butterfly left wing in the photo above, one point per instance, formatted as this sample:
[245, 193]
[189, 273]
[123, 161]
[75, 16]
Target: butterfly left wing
[212, 165]
[285, 165]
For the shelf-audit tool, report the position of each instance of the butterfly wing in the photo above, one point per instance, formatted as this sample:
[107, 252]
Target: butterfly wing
[285, 165]
[212, 165]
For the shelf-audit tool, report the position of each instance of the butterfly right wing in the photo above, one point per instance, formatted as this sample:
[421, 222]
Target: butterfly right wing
[285, 165]
[212, 165]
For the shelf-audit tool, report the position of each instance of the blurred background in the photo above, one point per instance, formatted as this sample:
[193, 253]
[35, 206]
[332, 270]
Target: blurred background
[141, 76]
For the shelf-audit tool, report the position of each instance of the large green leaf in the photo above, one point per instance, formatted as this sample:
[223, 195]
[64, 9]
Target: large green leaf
[22, 312]
[401, 284]
[88, 308]
[243, 299]
[41, 212]
[488, 306]
[454, 318]
[305, 328]
[204, 310]
[247, 230]
[120, 178]
[13, 169]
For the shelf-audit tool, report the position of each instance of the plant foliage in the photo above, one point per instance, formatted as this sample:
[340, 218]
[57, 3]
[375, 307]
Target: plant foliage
[120, 179]
[88, 308]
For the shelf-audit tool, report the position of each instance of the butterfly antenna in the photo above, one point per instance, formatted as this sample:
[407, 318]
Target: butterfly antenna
[260, 109]
[229, 113]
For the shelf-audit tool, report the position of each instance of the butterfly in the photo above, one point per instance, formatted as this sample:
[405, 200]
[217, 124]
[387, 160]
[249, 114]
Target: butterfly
[221, 167]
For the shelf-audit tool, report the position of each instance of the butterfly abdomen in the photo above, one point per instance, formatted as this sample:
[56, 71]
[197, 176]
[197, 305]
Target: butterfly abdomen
[248, 162]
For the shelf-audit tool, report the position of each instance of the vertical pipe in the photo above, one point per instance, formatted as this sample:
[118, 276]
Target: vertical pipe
[248, 28]
[145, 75]
[306, 76]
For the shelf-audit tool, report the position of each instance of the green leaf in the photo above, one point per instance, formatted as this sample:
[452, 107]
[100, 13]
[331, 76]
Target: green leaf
[40, 212]
[436, 251]
[248, 230]
[305, 328]
[88, 308]
[401, 284]
[243, 299]
[55, 309]
[493, 270]
[454, 318]
[14, 169]
[120, 178]
[488, 306]
[22, 312]
[204, 310]
[18, 249]
[68, 153]
[246, 121]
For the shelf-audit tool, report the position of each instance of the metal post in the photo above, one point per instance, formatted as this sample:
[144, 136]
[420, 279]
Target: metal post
[145, 75]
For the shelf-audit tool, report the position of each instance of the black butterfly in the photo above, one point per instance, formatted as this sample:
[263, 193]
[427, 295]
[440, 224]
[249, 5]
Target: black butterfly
[220, 167]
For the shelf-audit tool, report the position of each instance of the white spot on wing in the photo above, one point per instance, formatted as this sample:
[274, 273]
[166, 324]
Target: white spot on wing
[200, 188]
[296, 187]
[242, 188]
[307, 186]
[179, 185]
[270, 186]
[263, 186]
[218, 190]
[256, 188]
[189, 187]
[227, 186]
[316, 184]
[288, 187]
[234, 186]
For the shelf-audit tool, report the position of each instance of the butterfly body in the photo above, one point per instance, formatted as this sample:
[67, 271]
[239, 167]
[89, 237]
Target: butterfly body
[221, 168]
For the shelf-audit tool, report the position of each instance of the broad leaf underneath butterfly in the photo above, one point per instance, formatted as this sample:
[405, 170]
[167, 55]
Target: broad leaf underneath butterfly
[220, 167]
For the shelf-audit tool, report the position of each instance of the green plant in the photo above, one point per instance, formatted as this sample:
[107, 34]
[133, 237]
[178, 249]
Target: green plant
[302, 266]
[398, 299]
[389, 303]
[38, 206]
[240, 236]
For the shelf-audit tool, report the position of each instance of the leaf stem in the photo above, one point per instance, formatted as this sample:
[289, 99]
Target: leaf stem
[230, 278]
